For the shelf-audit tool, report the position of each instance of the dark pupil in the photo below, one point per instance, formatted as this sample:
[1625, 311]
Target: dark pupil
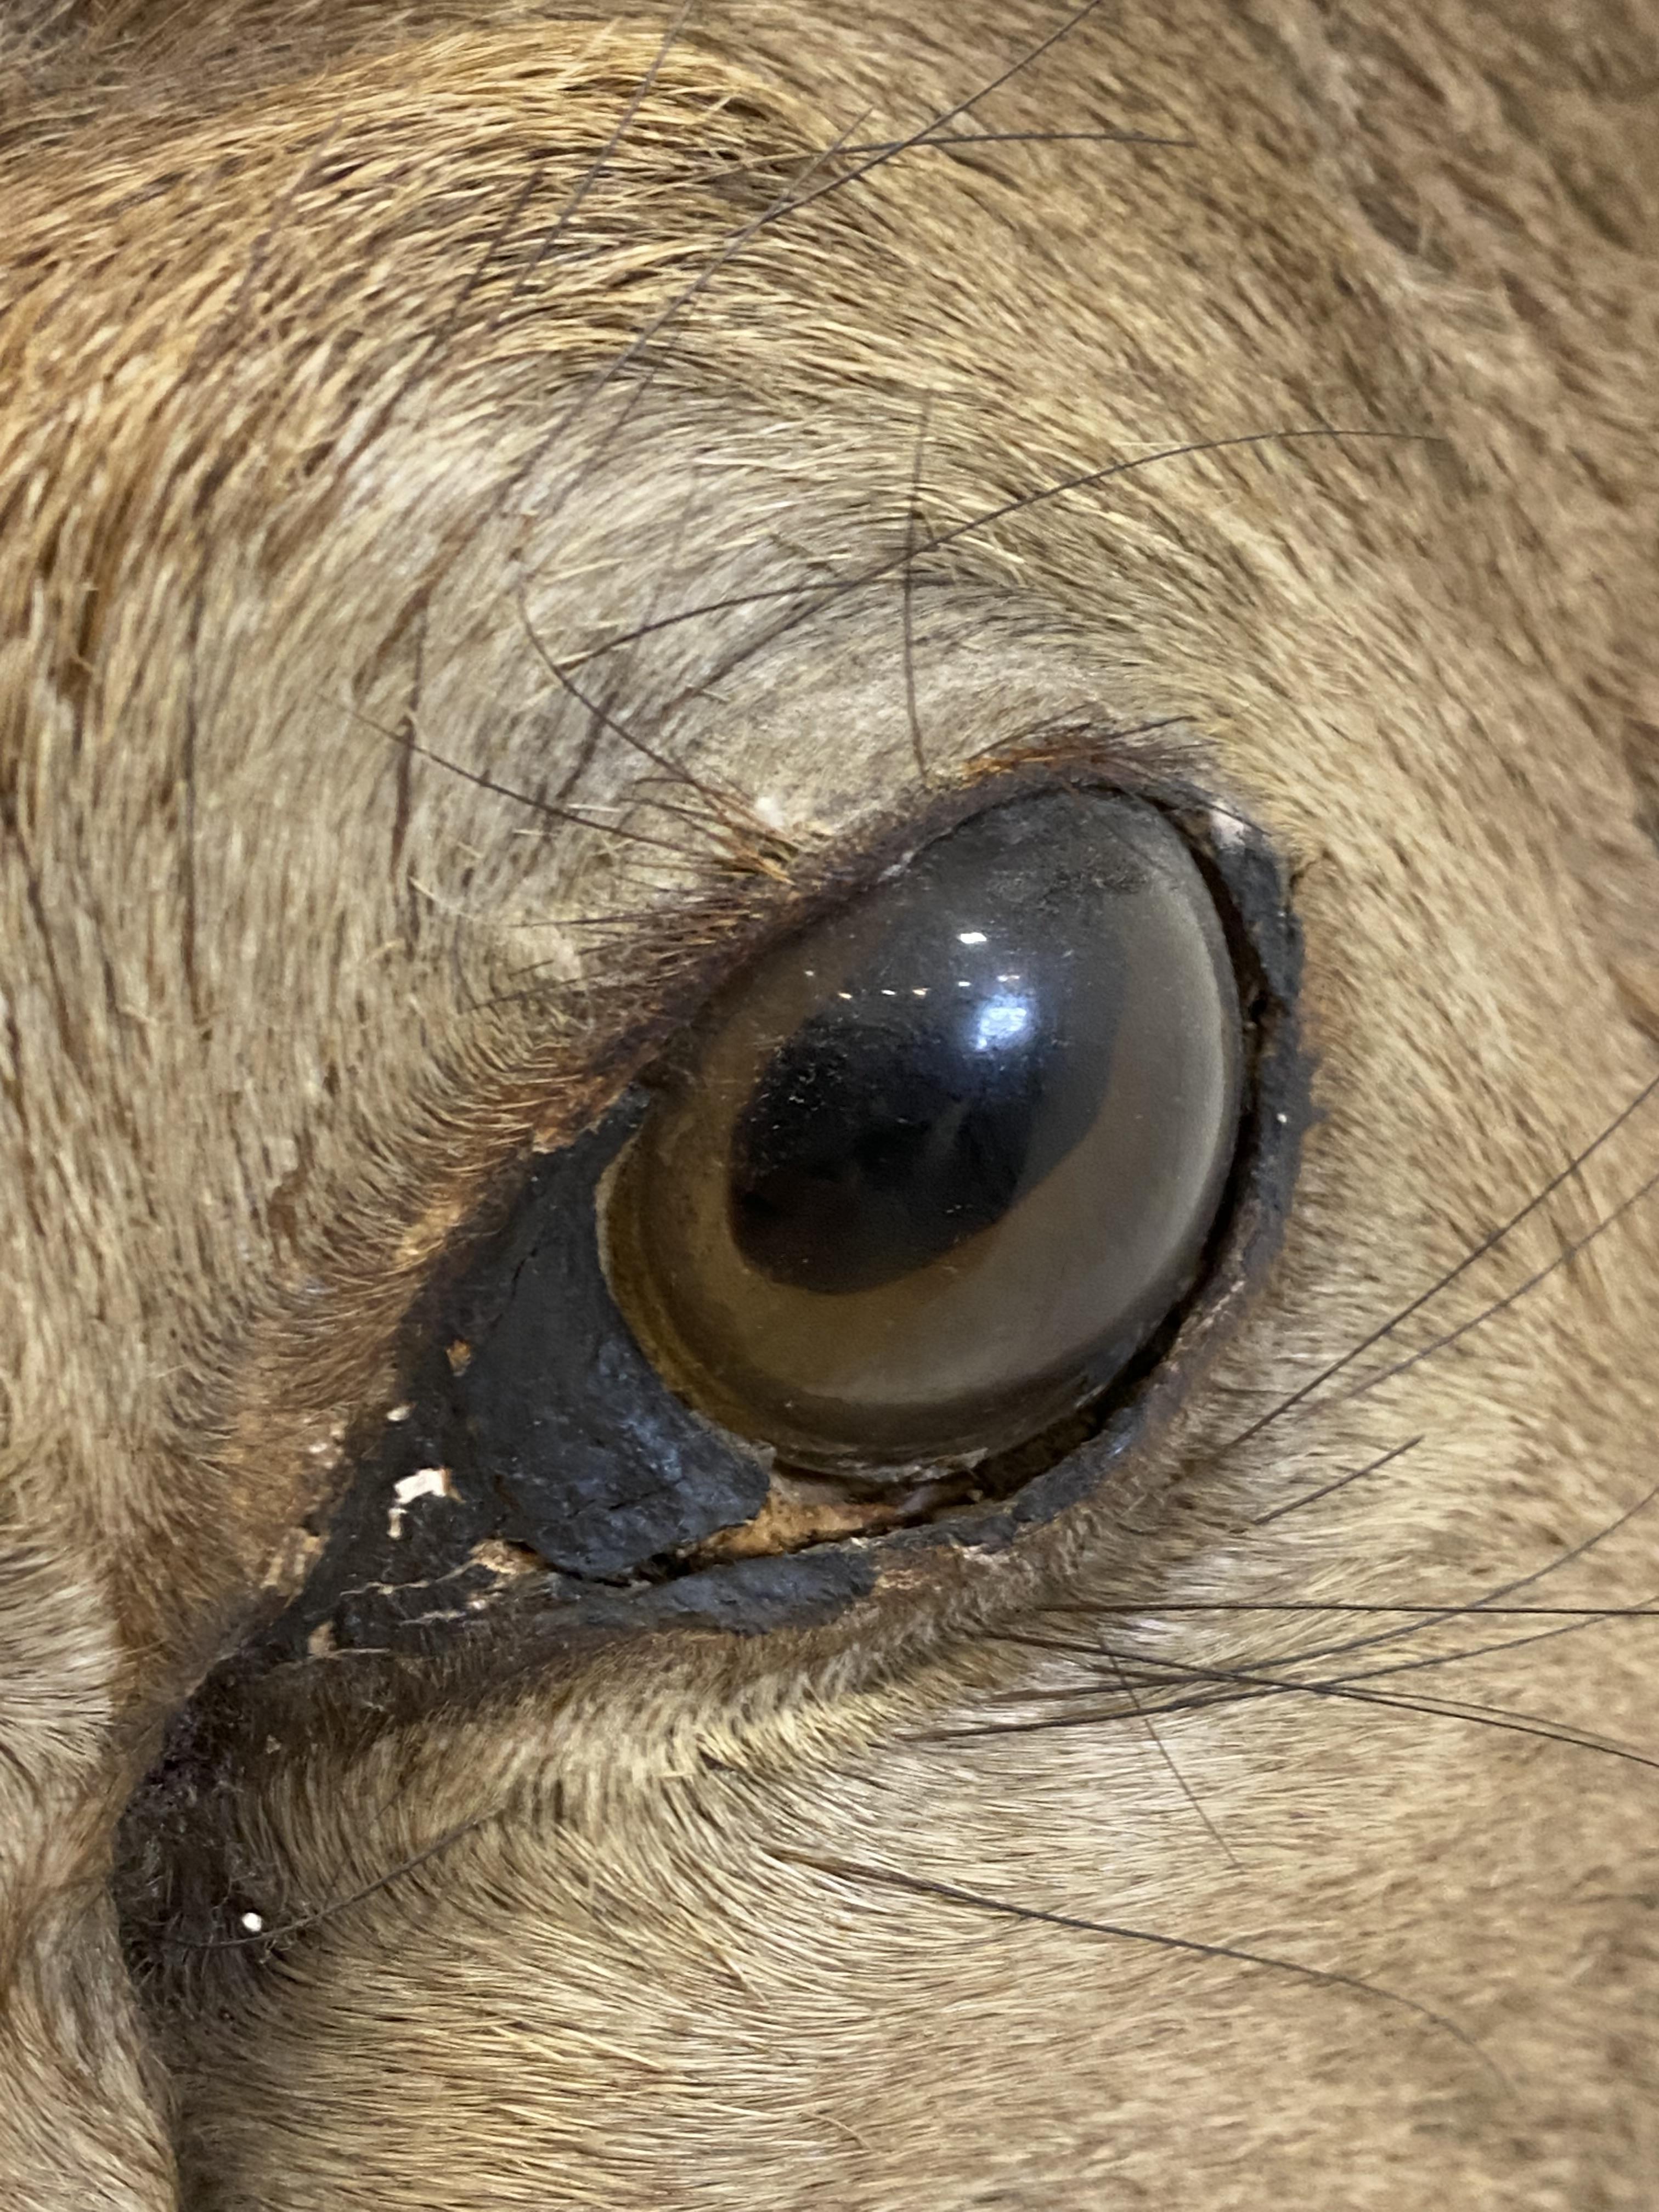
[868, 1150]
[887, 1131]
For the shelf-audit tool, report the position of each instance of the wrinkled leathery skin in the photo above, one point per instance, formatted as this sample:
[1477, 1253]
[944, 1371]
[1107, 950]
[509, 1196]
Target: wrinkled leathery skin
[504, 510]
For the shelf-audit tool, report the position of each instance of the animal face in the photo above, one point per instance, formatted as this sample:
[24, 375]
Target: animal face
[647, 1561]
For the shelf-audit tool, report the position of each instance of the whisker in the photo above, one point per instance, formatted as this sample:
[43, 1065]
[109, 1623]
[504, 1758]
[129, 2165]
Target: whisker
[908, 597]
[921, 145]
[1237, 1954]
[834, 589]
[548, 244]
[1598, 1537]
[788, 202]
[338, 1904]
[1444, 1282]
[676, 308]
[1179, 1779]
[1567, 1621]
[1244, 1686]
[1471, 1651]
[889, 149]
[718, 799]
[1417, 1606]
[546, 808]
[1329, 1489]
[1570, 1251]
[440, 336]
[1507, 1720]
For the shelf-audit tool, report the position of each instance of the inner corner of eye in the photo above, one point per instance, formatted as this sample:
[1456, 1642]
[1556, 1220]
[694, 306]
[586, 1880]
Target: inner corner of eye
[942, 1163]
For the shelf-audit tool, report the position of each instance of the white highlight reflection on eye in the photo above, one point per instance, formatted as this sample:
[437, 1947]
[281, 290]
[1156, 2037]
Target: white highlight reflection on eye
[970, 937]
[1003, 1020]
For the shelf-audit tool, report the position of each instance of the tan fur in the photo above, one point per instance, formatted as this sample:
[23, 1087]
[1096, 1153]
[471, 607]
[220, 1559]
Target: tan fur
[357, 361]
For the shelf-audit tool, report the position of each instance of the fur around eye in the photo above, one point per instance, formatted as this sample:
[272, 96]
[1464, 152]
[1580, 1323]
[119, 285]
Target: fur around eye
[905, 1234]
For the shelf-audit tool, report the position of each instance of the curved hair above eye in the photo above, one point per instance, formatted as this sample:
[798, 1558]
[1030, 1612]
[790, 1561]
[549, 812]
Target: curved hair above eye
[934, 1170]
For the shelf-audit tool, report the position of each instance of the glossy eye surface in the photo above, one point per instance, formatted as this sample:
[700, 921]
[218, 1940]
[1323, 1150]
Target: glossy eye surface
[939, 1166]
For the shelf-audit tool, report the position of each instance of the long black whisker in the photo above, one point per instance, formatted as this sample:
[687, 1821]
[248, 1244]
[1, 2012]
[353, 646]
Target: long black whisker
[678, 306]
[1229, 1688]
[909, 597]
[1570, 1251]
[1168, 1758]
[1444, 1282]
[446, 328]
[1509, 1720]
[1421, 1606]
[1467, 1652]
[543, 807]
[1245, 1685]
[717, 798]
[335, 1906]
[1038, 1916]
[599, 167]
[1507, 1589]
[831, 590]
[1021, 138]
[788, 202]
[1328, 1489]
[891, 148]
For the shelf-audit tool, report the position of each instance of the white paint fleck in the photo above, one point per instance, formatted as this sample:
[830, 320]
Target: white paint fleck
[425, 1482]
[253, 1922]
[970, 937]
[399, 1413]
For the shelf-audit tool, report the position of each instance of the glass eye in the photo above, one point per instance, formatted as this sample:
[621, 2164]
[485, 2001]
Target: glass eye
[936, 1168]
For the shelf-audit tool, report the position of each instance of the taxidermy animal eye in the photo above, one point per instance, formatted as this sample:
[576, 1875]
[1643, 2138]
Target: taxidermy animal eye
[933, 1171]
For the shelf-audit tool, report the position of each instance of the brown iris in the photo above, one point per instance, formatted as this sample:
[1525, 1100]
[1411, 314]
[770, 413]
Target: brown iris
[938, 1166]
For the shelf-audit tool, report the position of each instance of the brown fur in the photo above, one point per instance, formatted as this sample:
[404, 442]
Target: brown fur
[359, 360]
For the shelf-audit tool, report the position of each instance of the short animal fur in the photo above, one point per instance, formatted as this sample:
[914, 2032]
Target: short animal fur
[427, 435]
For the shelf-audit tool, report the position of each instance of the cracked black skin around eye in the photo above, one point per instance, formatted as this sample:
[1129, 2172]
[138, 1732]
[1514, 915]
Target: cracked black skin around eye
[939, 1166]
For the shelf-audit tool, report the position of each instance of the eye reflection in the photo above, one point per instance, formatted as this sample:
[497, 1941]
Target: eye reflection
[944, 1162]
[1001, 1022]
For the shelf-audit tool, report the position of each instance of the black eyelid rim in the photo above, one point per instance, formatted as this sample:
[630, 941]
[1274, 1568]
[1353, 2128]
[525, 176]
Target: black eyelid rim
[708, 945]
[1164, 766]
